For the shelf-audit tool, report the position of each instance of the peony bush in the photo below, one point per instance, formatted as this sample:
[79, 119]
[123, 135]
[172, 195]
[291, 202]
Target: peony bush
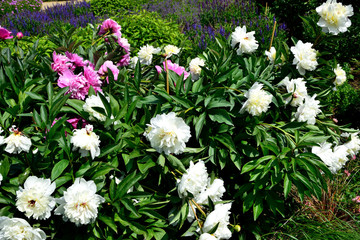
[105, 144]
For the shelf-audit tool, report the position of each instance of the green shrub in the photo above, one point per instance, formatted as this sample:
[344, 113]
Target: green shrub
[7, 6]
[109, 7]
[344, 103]
[149, 28]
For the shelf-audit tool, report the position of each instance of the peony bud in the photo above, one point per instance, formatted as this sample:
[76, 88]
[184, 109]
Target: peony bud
[237, 228]
[19, 35]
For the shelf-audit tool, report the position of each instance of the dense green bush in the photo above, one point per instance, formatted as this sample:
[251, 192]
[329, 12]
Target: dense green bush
[8, 6]
[110, 7]
[149, 28]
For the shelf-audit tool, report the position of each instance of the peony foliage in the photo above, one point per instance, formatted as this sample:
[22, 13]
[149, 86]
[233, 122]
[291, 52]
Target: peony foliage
[159, 155]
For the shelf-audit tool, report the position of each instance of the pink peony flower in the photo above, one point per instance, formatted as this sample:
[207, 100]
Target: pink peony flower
[104, 70]
[110, 26]
[5, 34]
[92, 79]
[76, 59]
[174, 67]
[61, 63]
[76, 84]
[356, 199]
[19, 35]
[125, 59]
[74, 122]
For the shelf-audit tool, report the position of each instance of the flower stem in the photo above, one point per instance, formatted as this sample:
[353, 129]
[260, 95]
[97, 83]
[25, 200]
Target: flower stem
[272, 36]
[198, 221]
[199, 207]
[167, 77]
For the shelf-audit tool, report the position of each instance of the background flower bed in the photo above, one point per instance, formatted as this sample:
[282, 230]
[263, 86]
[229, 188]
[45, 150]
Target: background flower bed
[43, 75]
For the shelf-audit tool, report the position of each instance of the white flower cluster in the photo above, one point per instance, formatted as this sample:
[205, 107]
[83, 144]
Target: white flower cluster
[221, 217]
[271, 54]
[297, 88]
[195, 68]
[168, 133]
[305, 57]
[19, 229]
[196, 181]
[308, 107]
[145, 54]
[340, 76]
[258, 100]
[80, 202]
[87, 141]
[94, 101]
[308, 111]
[334, 17]
[246, 41]
[336, 158]
[171, 49]
[16, 142]
[35, 198]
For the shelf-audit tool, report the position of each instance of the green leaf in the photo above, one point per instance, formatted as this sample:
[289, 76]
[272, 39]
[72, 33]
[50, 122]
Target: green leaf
[109, 221]
[59, 168]
[126, 184]
[257, 208]
[199, 125]
[287, 185]
[35, 96]
[226, 140]
[176, 163]
[221, 116]
[255, 163]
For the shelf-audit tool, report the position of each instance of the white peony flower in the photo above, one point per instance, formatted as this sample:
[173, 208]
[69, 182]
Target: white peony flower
[271, 54]
[17, 142]
[35, 198]
[307, 111]
[221, 215]
[194, 180]
[87, 141]
[214, 191]
[340, 76]
[334, 17]
[19, 229]
[80, 202]
[298, 88]
[353, 145]
[1, 137]
[207, 236]
[247, 42]
[171, 49]
[305, 57]
[1, 178]
[324, 152]
[258, 100]
[133, 62]
[195, 68]
[334, 159]
[145, 54]
[95, 101]
[168, 133]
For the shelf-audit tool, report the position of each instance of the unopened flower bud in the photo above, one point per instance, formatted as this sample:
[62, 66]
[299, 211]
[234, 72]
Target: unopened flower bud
[335, 120]
[237, 228]
[164, 55]
[19, 35]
